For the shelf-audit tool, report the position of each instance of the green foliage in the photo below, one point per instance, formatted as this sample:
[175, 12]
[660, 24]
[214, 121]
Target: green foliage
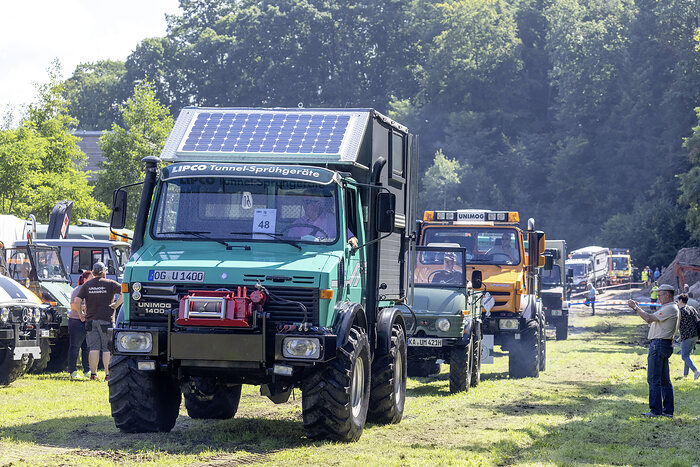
[41, 162]
[146, 127]
[441, 180]
[690, 182]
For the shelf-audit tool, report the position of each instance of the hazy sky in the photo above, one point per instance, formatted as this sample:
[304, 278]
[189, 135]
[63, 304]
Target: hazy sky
[34, 32]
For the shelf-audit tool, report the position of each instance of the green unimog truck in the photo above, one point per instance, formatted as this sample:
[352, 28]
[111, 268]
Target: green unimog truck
[446, 315]
[273, 251]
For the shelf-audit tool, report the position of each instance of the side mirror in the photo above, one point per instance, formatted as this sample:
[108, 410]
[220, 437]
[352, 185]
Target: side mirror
[477, 281]
[548, 263]
[118, 220]
[386, 211]
[110, 266]
[569, 273]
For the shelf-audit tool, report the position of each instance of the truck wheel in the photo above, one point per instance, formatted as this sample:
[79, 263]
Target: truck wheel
[562, 328]
[11, 369]
[461, 367]
[422, 368]
[142, 401]
[388, 394]
[38, 366]
[524, 356]
[542, 334]
[59, 355]
[210, 398]
[335, 398]
[476, 364]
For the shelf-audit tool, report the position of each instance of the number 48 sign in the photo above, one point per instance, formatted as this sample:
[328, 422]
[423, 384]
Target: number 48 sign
[264, 221]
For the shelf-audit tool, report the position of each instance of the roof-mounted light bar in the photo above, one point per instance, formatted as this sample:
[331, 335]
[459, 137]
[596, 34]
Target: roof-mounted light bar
[472, 216]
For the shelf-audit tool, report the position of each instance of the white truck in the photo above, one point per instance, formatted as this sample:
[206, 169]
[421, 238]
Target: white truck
[596, 270]
[555, 299]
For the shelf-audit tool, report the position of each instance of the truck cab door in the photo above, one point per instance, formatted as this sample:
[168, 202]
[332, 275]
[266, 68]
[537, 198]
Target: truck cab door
[354, 263]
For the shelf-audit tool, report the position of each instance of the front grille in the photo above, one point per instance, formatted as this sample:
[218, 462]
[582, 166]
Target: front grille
[282, 305]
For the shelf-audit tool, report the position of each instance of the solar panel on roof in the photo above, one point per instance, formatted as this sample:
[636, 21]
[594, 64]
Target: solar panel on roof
[252, 134]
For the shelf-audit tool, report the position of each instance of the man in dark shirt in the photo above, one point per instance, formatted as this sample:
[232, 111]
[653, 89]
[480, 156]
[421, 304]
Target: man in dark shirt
[98, 294]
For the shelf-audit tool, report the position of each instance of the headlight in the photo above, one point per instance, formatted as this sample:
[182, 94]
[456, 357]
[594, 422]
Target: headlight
[301, 347]
[136, 286]
[5, 315]
[136, 295]
[141, 342]
[443, 324]
[37, 315]
[510, 324]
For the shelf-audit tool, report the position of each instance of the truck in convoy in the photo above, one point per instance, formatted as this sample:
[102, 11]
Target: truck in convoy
[494, 245]
[555, 299]
[597, 271]
[446, 318]
[273, 251]
[26, 327]
[40, 268]
[620, 266]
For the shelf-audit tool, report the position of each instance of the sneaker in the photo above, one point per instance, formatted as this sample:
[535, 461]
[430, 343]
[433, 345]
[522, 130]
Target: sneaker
[76, 376]
[106, 377]
[86, 374]
[93, 377]
[667, 415]
[697, 374]
[651, 415]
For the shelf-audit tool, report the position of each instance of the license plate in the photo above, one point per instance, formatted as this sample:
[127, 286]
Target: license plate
[556, 312]
[424, 342]
[155, 275]
[45, 333]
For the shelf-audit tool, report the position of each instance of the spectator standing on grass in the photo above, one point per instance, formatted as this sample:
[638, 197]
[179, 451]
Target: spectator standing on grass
[654, 295]
[657, 274]
[590, 297]
[691, 298]
[662, 327]
[645, 276]
[76, 333]
[689, 334]
[98, 294]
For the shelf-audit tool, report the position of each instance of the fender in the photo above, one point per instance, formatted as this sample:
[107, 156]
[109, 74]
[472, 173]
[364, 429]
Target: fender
[347, 314]
[468, 330]
[385, 321]
[530, 306]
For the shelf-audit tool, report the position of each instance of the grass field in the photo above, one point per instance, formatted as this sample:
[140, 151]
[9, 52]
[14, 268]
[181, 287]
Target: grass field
[584, 409]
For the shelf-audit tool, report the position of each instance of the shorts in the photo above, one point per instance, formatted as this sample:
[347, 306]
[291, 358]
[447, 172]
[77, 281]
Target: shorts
[97, 334]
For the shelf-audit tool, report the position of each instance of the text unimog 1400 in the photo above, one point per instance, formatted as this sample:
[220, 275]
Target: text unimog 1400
[447, 316]
[241, 271]
[494, 245]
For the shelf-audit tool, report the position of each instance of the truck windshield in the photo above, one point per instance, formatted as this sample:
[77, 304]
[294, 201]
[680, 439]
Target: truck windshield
[579, 269]
[620, 264]
[439, 268]
[552, 278]
[46, 261]
[484, 245]
[231, 209]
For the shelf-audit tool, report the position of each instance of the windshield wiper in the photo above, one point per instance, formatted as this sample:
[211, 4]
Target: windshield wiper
[274, 235]
[201, 234]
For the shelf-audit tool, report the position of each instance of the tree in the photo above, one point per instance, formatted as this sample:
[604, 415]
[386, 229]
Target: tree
[41, 162]
[146, 127]
[441, 180]
[690, 182]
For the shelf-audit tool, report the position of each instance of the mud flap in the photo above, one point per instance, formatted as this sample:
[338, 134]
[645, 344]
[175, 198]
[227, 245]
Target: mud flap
[487, 349]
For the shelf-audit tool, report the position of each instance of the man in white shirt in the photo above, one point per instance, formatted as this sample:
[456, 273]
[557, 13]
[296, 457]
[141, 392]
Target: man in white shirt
[663, 324]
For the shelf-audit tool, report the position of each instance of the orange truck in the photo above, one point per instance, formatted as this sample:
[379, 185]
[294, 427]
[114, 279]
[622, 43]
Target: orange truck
[495, 245]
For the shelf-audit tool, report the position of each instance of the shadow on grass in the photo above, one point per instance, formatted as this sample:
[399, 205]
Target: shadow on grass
[189, 436]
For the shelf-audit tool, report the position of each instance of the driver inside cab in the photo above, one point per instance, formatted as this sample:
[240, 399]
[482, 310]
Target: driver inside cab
[318, 220]
[448, 274]
[503, 247]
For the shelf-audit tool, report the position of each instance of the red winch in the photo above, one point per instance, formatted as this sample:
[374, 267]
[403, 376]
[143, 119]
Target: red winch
[220, 308]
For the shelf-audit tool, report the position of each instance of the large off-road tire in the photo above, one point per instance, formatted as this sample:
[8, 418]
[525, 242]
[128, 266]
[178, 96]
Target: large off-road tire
[11, 369]
[59, 355]
[335, 398]
[561, 328]
[461, 360]
[476, 363]
[209, 397]
[524, 355]
[38, 366]
[422, 368]
[388, 394]
[142, 401]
